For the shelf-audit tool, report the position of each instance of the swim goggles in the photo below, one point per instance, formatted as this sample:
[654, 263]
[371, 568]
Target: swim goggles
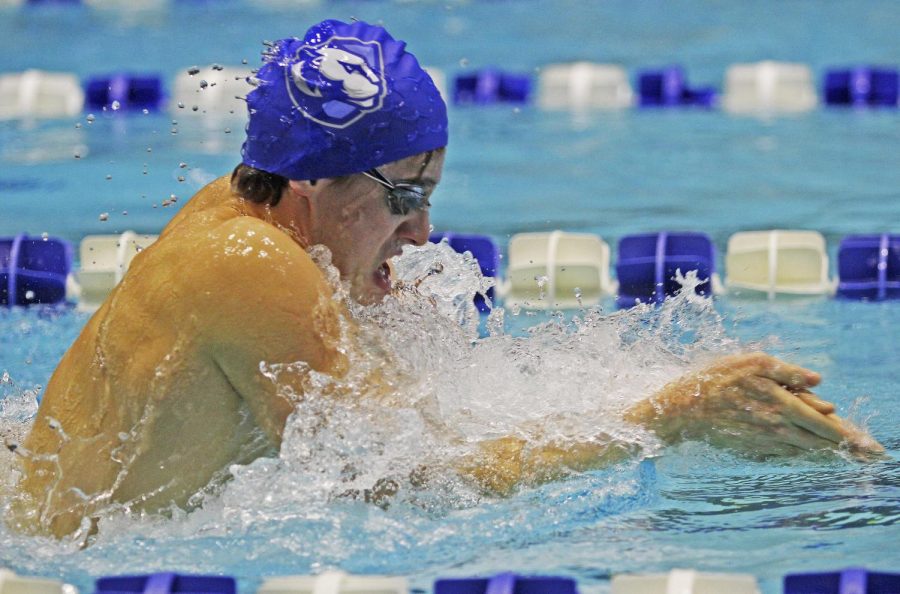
[402, 196]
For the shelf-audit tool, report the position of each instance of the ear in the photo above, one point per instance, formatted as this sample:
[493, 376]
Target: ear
[305, 188]
[302, 193]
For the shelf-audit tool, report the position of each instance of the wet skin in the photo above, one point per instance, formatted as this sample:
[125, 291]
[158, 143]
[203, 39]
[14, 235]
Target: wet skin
[753, 404]
[162, 391]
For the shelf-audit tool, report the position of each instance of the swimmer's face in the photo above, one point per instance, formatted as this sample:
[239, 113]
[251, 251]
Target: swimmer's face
[363, 234]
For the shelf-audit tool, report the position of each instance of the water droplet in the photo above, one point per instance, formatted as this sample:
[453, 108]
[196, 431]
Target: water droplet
[203, 84]
[463, 62]
[218, 67]
[108, 177]
[90, 118]
[104, 216]
[45, 236]
[180, 105]
[145, 111]
[180, 178]
[78, 125]
[149, 149]
[193, 70]
[116, 105]
[174, 130]
[29, 295]
[194, 108]
[227, 130]
[182, 165]
[541, 282]
[244, 61]
[124, 213]
[77, 155]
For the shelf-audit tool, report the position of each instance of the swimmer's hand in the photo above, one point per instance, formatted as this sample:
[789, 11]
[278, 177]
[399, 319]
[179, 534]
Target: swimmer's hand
[754, 403]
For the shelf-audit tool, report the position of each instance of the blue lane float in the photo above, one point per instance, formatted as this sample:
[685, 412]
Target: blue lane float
[33, 270]
[166, 583]
[483, 249]
[848, 581]
[124, 92]
[490, 86]
[667, 87]
[862, 87]
[869, 267]
[748, 88]
[506, 583]
[647, 264]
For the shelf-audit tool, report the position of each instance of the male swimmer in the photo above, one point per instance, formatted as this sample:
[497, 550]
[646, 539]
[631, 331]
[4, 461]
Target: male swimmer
[163, 389]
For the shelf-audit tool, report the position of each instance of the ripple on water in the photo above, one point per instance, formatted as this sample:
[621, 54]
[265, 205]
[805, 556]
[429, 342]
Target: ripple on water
[567, 377]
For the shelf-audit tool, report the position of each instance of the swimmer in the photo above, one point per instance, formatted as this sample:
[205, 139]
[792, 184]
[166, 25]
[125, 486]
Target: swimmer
[164, 388]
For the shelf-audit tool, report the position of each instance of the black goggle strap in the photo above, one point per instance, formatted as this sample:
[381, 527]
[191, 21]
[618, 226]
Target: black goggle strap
[379, 178]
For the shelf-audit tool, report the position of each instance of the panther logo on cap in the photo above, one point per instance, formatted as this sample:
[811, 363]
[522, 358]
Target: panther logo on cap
[337, 82]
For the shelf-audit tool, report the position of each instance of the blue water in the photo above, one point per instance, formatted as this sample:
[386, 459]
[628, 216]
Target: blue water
[511, 170]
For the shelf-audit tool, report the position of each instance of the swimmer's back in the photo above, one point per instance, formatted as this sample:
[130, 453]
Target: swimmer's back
[162, 390]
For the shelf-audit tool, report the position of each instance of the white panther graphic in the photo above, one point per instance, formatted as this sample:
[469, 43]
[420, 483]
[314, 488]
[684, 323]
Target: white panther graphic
[345, 83]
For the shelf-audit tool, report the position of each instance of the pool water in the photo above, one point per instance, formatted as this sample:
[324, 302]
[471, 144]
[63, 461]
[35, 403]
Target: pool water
[509, 169]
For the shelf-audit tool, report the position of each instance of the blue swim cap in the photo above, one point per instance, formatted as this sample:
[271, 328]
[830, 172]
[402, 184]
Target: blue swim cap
[346, 98]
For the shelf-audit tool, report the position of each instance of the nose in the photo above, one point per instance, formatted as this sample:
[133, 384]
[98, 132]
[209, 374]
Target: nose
[416, 227]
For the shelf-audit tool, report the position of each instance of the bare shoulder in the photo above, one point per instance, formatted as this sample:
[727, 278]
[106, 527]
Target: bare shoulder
[251, 250]
[260, 290]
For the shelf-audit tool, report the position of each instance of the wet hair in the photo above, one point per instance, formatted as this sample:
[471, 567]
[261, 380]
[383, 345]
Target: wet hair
[257, 185]
[263, 187]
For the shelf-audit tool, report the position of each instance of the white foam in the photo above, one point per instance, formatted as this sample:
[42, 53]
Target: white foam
[442, 390]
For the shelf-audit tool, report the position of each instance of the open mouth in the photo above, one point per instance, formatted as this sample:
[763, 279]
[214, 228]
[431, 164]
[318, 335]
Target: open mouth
[382, 277]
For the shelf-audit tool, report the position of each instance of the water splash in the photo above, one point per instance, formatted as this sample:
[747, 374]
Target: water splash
[365, 478]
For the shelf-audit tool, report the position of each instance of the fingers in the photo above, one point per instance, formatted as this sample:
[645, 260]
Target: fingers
[858, 440]
[797, 435]
[794, 377]
[804, 420]
[821, 406]
[786, 374]
[795, 411]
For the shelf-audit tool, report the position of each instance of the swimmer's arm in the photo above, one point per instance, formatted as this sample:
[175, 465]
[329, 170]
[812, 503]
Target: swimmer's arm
[499, 466]
[753, 403]
[271, 305]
